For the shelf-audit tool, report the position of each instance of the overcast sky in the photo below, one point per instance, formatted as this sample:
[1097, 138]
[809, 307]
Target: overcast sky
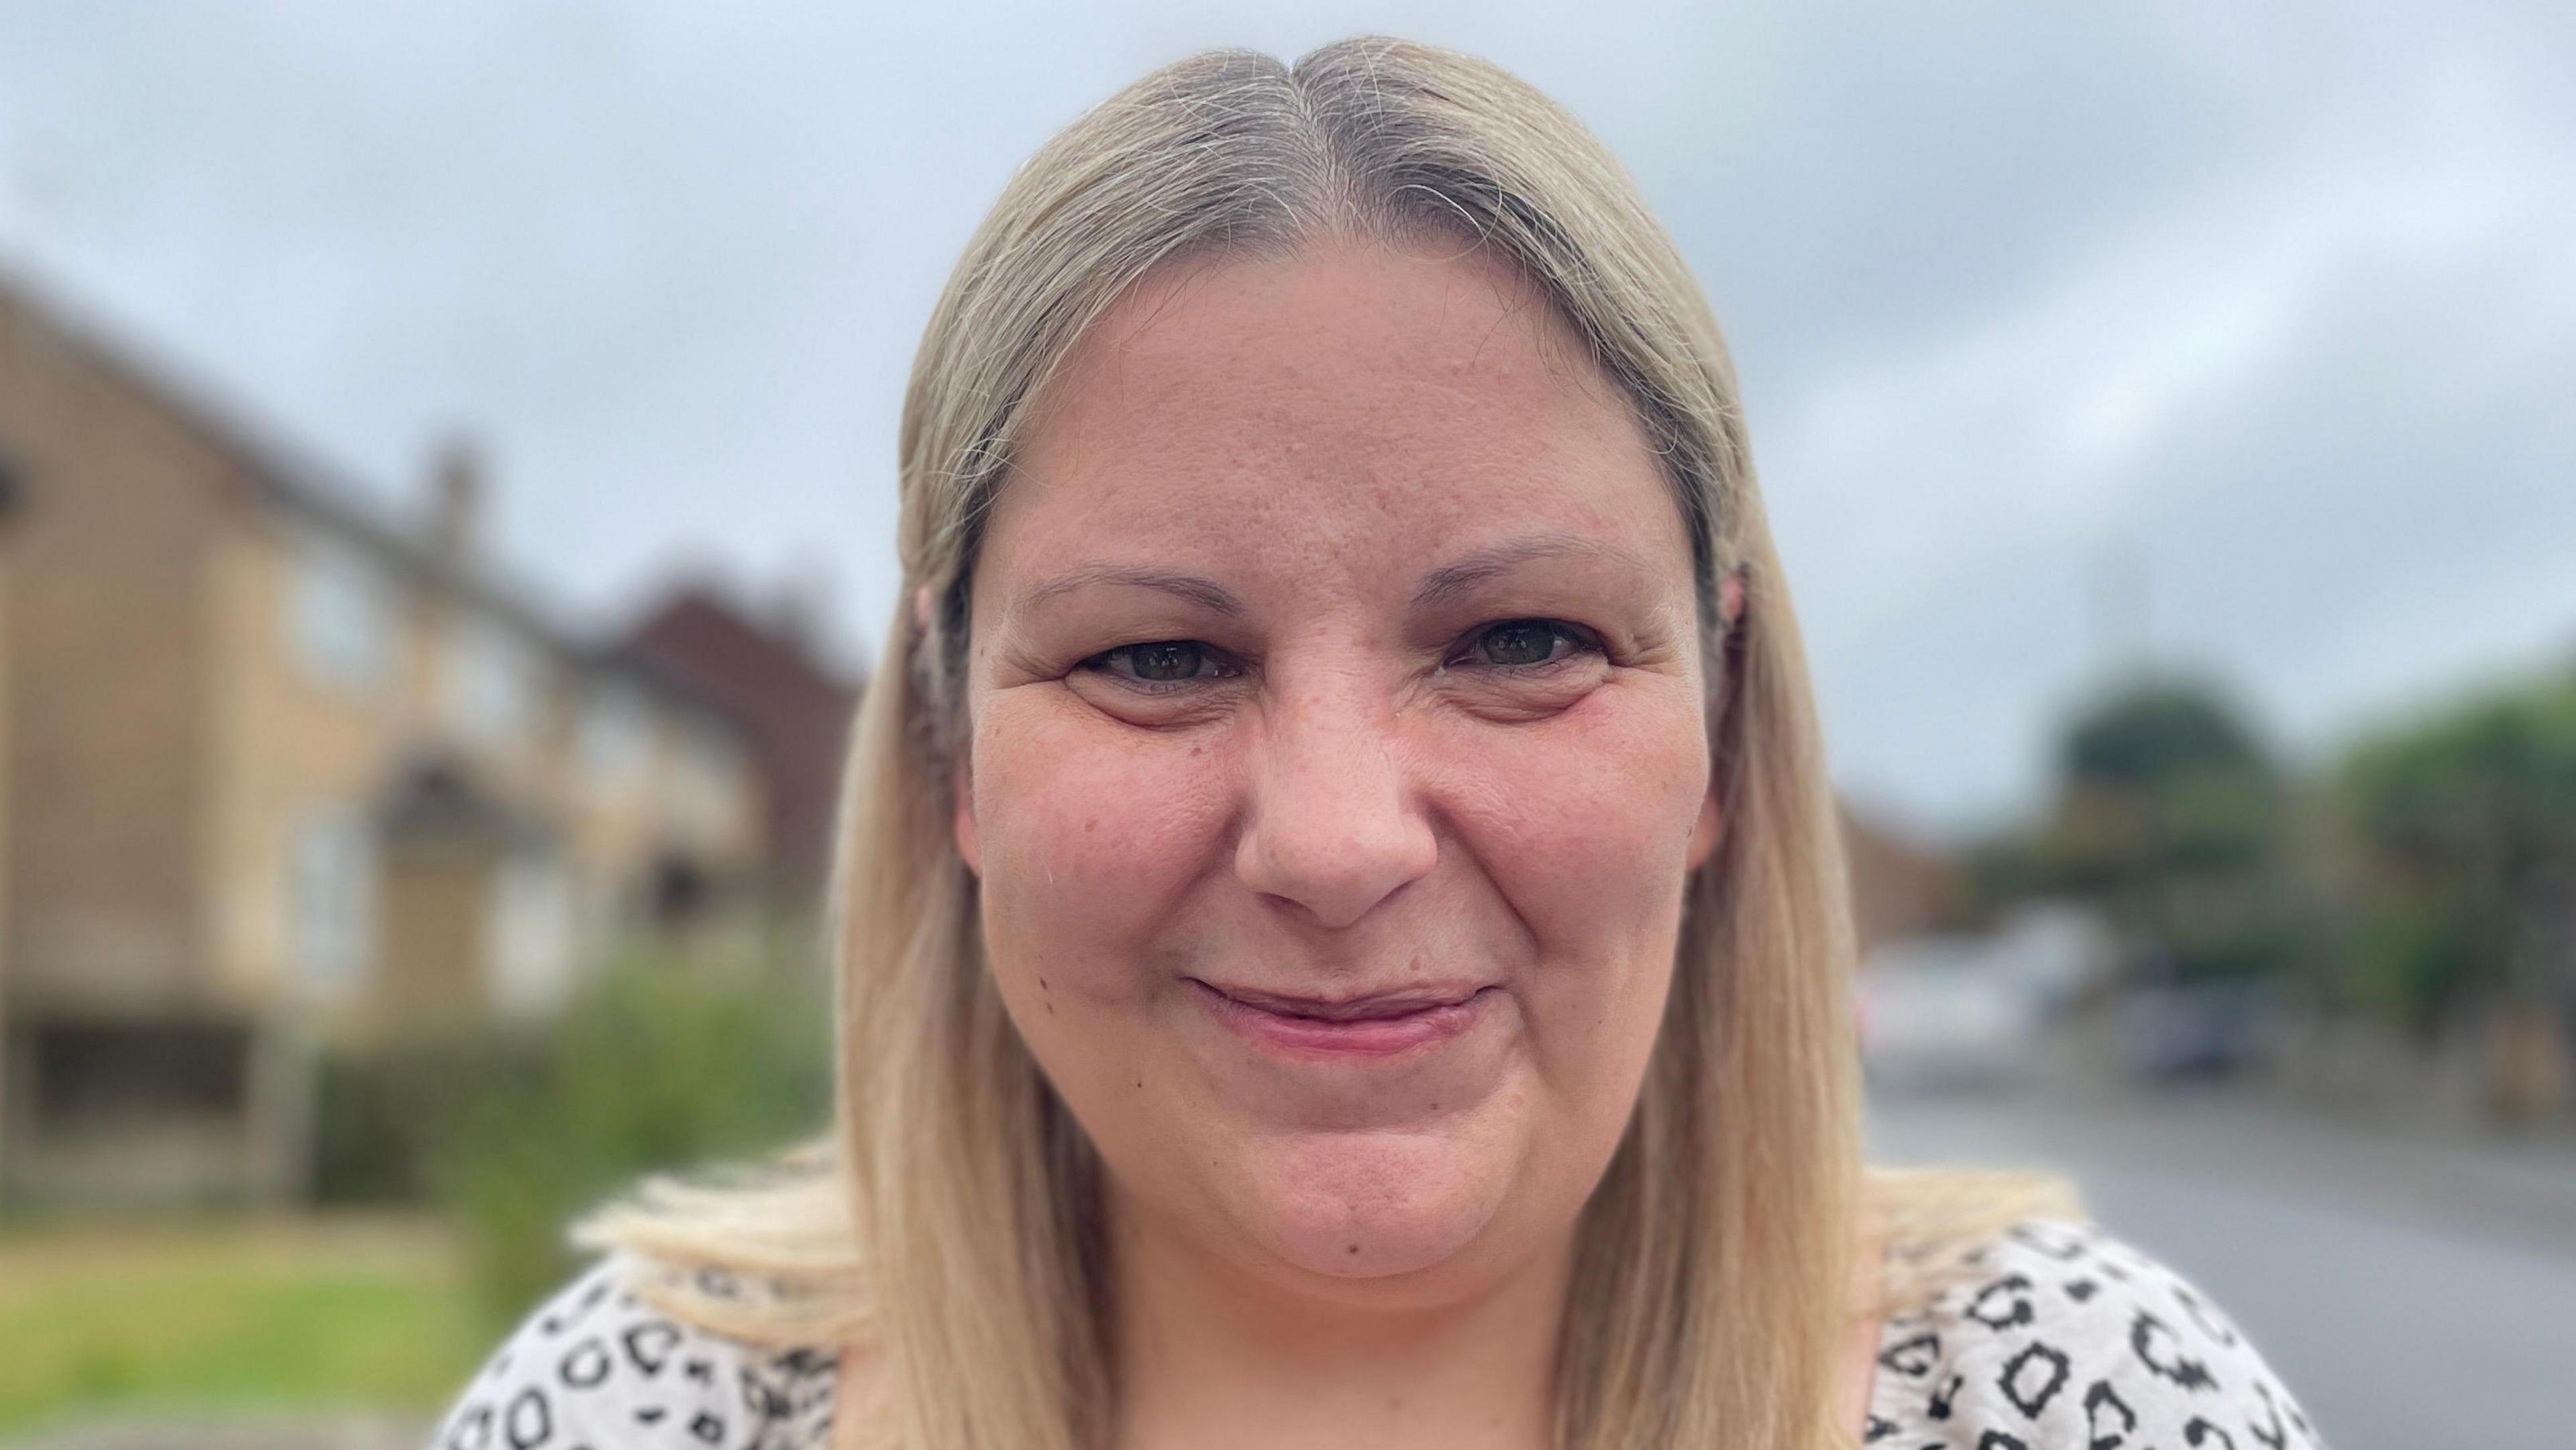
[2242, 336]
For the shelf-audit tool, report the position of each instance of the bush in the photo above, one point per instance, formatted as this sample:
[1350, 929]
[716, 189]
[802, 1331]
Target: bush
[379, 1112]
[657, 1063]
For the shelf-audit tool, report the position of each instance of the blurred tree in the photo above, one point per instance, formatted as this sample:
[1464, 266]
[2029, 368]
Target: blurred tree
[2151, 732]
[2170, 817]
[660, 1062]
[2427, 881]
[2466, 887]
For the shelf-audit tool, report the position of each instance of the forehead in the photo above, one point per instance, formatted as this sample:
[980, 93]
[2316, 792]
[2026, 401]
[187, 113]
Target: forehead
[1424, 390]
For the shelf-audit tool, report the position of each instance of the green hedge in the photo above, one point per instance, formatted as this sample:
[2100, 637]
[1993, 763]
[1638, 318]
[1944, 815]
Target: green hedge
[657, 1063]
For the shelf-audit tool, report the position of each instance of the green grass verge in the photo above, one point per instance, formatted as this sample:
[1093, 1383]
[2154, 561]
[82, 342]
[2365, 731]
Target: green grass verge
[230, 1315]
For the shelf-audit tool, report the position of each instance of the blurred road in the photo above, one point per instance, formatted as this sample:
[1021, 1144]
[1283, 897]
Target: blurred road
[2411, 1290]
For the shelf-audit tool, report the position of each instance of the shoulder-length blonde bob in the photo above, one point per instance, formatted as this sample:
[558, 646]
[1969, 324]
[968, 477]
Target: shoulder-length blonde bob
[948, 1229]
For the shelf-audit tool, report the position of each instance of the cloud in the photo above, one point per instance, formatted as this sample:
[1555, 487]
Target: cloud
[2322, 360]
[2249, 302]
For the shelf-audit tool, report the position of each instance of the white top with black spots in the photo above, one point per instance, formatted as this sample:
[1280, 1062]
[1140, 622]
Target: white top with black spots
[2067, 1338]
[2064, 1338]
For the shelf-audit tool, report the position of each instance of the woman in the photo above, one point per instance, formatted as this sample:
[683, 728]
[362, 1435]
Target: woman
[1341, 936]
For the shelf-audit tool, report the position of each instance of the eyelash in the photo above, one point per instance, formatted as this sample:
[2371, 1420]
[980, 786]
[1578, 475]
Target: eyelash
[1581, 639]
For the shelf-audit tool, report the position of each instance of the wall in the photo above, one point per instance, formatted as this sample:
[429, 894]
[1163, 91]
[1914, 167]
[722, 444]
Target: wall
[107, 748]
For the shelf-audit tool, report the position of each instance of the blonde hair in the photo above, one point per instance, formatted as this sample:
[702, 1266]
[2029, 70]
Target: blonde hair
[949, 1225]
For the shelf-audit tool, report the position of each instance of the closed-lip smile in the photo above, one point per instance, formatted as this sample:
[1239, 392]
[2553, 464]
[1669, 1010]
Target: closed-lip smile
[1365, 1025]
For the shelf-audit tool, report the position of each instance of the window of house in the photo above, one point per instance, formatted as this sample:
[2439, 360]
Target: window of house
[531, 924]
[616, 734]
[332, 898]
[707, 782]
[492, 681]
[113, 1074]
[340, 615]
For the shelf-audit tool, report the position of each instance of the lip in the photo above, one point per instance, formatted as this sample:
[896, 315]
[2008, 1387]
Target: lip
[1379, 1025]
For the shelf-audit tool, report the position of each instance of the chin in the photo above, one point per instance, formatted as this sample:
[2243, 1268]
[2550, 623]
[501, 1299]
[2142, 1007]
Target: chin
[1366, 1205]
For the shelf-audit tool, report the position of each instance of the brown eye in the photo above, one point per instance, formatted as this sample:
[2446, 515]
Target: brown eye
[1521, 642]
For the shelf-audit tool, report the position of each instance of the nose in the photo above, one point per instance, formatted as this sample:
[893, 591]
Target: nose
[1333, 826]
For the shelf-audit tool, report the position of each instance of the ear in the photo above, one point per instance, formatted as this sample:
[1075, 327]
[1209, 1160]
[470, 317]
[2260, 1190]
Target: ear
[970, 845]
[1706, 829]
[1710, 825]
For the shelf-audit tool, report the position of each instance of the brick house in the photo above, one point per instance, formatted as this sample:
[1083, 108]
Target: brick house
[275, 773]
[1899, 888]
[791, 709]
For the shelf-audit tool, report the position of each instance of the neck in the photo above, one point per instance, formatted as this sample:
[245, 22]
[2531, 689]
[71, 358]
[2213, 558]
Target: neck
[1212, 1354]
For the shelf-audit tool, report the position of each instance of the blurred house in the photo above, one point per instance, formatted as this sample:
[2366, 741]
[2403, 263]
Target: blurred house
[1899, 888]
[791, 709]
[275, 773]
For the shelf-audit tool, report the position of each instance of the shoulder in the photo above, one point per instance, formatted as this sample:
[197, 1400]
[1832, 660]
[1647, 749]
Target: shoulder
[597, 1366]
[2060, 1334]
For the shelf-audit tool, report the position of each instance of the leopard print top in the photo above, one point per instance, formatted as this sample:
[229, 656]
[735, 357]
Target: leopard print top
[2063, 1338]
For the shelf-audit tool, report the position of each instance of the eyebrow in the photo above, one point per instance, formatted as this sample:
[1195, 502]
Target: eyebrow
[1197, 589]
[1437, 587]
[1453, 579]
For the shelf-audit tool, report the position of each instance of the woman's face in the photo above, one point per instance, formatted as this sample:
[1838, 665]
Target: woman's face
[1338, 755]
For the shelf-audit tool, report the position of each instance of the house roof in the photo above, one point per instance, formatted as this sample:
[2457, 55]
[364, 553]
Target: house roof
[791, 706]
[278, 472]
[283, 476]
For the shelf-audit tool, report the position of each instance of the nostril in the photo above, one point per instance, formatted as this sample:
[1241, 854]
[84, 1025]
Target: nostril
[1332, 825]
[1337, 883]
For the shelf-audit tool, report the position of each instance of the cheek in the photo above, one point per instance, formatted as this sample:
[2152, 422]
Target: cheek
[1582, 825]
[1094, 838]
[1092, 833]
[1584, 821]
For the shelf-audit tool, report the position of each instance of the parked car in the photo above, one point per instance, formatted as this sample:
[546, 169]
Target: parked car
[2201, 1029]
